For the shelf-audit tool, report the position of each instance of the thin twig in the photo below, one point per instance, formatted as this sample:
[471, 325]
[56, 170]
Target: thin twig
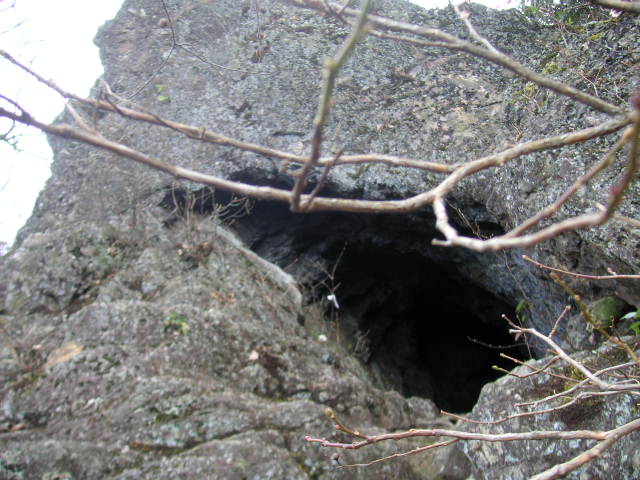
[331, 68]
[625, 6]
[562, 469]
[323, 178]
[403, 454]
[546, 212]
[200, 133]
[562, 354]
[580, 275]
[566, 310]
[534, 370]
[453, 42]
[464, 16]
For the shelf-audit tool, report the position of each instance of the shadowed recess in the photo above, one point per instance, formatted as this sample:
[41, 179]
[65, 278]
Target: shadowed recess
[413, 314]
[421, 331]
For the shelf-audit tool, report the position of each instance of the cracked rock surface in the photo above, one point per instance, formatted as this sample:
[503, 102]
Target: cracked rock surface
[142, 340]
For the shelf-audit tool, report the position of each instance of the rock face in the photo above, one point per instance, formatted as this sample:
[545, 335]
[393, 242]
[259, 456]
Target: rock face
[505, 460]
[134, 356]
[143, 339]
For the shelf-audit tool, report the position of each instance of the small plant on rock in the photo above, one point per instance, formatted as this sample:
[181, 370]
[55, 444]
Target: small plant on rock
[176, 324]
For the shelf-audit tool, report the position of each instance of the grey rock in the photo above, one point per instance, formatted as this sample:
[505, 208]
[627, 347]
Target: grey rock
[231, 390]
[522, 459]
[143, 339]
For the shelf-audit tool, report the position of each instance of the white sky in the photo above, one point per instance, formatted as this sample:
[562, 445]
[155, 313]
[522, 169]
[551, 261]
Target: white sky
[55, 37]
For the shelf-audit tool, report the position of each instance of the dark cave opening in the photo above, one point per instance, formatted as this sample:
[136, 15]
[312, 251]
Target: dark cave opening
[427, 333]
[420, 318]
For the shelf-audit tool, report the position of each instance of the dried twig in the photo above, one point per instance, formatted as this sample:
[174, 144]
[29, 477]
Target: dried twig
[583, 389]
[485, 437]
[613, 276]
[612, 380]
[464, 16]
[454, 173]
[323, 178]
[632, 6]
[331, 68]
[455, 43]
[546, 212]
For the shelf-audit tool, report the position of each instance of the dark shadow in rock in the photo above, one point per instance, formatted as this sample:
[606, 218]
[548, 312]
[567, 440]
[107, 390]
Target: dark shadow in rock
[417, 316]
[422, 331]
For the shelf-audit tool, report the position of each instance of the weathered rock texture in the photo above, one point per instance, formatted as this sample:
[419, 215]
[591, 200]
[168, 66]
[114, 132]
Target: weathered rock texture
[142, 340]
[145, 358]
[522, 460]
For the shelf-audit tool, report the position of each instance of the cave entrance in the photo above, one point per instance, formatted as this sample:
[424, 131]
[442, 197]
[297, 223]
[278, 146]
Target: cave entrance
[425, 321]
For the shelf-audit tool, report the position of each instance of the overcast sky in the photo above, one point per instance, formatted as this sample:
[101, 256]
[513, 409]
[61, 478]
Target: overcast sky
[56, 39]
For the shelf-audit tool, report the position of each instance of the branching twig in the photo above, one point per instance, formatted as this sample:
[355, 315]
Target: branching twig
[464, 16]
[562, 469]
[404, 454]
[455, 173]
[566, 310]
[331, 68]
[562, 354]
[323, 178]
[203, 134]
[582, 390]
[534, 370]
[485, 437]
[546, 212]
[453, 42]
[612, 380]
[613, 276]
[626, 6]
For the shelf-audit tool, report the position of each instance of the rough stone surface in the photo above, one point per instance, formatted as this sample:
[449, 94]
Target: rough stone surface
[142, 340]
[125, 357]
[522, 460]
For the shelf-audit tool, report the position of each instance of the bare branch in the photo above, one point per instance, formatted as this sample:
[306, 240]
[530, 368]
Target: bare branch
[566, 310]
[574, 395]
[404, 454]
[534, 370]
[464, 16]
[462, 435]
[612, 380]
[616, 433]
[514, 238]
[621, 218]
[405, 205]
[579, 183]
[202, 134]
[626, 6]
[562, 354]
[455, 43]
[560, 470]
[581, 275]
[323, 178]
[331, 68]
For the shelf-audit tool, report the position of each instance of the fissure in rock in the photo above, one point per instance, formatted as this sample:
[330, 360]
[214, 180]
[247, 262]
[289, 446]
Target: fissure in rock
[418, 317]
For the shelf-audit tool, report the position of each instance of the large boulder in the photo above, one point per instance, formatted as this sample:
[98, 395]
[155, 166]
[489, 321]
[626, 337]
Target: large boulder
[142, 339]
[131, 354]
